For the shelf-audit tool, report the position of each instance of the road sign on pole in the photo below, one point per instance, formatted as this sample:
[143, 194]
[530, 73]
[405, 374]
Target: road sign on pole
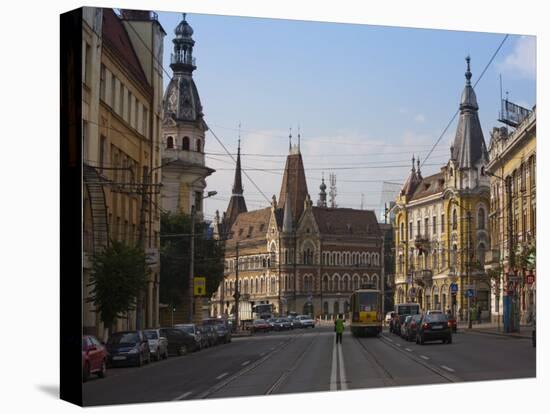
[199, 286]
[454, 288]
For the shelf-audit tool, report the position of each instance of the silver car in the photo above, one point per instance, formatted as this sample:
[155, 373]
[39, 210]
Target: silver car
[306, 321]
[158, 344]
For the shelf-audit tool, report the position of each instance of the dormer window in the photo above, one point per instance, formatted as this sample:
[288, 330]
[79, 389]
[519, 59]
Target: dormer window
[185, 144]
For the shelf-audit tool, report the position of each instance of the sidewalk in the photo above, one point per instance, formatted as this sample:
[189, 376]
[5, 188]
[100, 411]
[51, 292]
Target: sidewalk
[525, 331]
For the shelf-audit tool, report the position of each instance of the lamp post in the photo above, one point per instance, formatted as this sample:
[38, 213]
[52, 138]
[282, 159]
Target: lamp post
[191, 297]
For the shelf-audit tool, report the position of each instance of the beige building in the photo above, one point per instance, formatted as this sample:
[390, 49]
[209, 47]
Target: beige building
[512, 163]
[183, 132]
[122, 89]
[294, 255]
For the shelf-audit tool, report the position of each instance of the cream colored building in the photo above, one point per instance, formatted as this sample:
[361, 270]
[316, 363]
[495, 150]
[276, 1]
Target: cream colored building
[512, 156]
[122, 89]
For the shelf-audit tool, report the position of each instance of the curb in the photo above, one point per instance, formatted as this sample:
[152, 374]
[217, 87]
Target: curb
[481, 331]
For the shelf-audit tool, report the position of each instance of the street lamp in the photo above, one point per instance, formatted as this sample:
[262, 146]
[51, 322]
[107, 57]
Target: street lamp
[192, 258]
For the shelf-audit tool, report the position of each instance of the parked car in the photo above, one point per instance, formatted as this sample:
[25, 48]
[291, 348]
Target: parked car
[389, 317]
[158, 344]
[201, 341]
[398, 323]
[306, 321]
[94, 357]
[128, 348]
[411, 327]
[260, 325]
[271, 323]
[282, 324]
[179, 342]
[452, 322]
[224, 334]
[295, 322]
[403, 329]
[433, 311]
[434, 327]
[209, 332]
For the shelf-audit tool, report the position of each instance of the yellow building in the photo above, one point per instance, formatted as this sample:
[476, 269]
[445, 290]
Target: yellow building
[441, 224]
[121, 145]
[512, 163]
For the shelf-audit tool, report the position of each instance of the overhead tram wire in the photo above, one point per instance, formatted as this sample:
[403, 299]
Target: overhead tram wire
[456, 112]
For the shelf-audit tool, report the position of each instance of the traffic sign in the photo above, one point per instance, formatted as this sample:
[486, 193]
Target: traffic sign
[454, 288]
[470, 293]
[199, 286]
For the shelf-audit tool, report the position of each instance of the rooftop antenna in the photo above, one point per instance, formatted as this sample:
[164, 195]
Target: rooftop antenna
[332, 179]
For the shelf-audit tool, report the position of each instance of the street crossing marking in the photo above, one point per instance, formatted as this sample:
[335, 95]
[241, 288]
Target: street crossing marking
[184, 395]
[245, 363]
[424, 357]
[447, 368]
[408, 349]
[222, 375]
[398, 344]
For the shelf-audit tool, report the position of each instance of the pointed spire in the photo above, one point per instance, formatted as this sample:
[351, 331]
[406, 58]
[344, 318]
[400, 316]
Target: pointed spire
[237, 182]
[290, 139]
[299, 137]
[322, 202]
[412, 169]
[418, 167]
[468, 74]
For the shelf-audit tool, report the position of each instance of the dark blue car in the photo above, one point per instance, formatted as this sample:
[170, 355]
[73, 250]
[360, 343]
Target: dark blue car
[128, 348]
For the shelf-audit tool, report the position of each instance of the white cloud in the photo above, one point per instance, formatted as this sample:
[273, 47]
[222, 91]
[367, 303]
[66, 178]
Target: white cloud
[420, 118]
[522, 60]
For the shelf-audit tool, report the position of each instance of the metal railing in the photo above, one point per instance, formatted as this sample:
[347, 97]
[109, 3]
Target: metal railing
[183, 59]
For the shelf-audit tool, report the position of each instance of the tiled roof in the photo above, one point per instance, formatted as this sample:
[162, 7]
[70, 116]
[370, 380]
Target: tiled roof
[294, 181]
[430, 185]
[251, 225]
[116, 38]
[346, 221]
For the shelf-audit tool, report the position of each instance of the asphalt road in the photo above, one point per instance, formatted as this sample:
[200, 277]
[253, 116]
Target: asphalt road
[309, 360]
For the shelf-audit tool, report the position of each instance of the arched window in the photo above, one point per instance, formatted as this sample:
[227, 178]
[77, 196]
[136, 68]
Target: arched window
[185, 144]
[199, 145]
[325, 283]
[325, 308]
[455, 220]
[481, 219]
[336, 308]
[402, 231]
[170, 142]
[355, 282]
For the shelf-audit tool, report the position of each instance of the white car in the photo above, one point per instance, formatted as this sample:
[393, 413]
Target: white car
[306, 321]
[158, 345]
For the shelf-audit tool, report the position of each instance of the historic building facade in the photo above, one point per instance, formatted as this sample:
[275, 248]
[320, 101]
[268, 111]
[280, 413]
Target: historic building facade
[122, 89]
[294, 255]
[183, 131]
[512, 165]
[440, 222]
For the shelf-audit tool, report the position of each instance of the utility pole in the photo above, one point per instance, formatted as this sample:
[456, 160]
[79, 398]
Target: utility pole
[294, 265]
[192, 267]
[279, 271]
[141, 243]
[383, 279]
[511, 255]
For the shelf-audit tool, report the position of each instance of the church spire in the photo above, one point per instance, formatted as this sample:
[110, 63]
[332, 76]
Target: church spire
[182, 60]
[237, 203]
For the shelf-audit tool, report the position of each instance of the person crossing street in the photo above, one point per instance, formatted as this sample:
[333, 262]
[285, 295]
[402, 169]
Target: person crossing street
[339, 328]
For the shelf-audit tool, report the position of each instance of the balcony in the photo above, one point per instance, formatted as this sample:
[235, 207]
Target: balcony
[492, 258]
[182, 59]
[423, 277]
[422, 242]
[188, 157]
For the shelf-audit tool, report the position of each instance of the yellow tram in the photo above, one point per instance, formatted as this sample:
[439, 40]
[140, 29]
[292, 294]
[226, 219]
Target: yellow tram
[366, 311]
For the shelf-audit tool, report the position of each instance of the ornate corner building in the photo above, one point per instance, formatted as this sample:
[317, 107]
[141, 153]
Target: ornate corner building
[183, 131]
[292, 254]
[441, 231]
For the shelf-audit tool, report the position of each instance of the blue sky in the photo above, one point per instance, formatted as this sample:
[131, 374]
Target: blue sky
[363, 96]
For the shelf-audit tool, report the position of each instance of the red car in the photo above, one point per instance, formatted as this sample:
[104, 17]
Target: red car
[94, 357]
[451, 322]
[259, 325]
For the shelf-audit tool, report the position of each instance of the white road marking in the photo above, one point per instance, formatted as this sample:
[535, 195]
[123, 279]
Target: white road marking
[343, 382]
[245, 363]
[408, 349]
[222, 375]
[184, 395]
[424, 357]
[262, 354]
[333, 384]
[398, 344]
[389, 339]
[447, 368]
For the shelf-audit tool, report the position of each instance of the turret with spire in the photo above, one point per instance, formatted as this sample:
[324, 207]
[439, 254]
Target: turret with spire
[413, 180]
[322, 202]
[469, 145]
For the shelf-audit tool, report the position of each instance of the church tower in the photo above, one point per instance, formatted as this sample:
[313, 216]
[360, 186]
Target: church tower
[237, 203]
[183, 131]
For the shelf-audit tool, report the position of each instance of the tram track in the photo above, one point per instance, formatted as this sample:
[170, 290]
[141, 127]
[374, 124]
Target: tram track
[257, 364]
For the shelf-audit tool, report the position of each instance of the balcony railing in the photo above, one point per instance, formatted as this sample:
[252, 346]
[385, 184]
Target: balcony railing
[181, 58]
[492, 257]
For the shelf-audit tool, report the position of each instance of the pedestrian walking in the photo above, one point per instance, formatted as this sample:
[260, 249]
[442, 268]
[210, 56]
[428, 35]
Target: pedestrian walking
[339, 328]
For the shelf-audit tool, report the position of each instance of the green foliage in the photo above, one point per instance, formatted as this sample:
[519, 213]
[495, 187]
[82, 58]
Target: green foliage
[119, 274]
[174, 258]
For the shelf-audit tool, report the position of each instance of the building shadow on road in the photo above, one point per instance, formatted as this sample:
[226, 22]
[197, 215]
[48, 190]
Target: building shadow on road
[49, 389]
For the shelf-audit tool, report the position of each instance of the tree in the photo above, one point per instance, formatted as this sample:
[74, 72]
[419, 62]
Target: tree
[174, 258]
[119, 274]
